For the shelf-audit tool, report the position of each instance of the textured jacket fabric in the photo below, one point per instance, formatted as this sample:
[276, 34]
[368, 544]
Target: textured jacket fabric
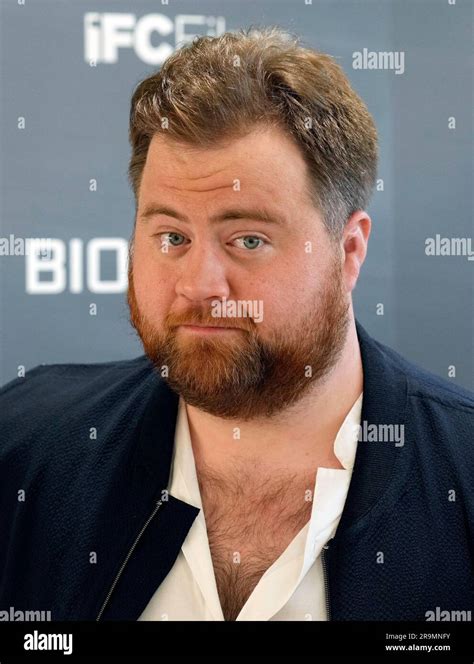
[85, 456]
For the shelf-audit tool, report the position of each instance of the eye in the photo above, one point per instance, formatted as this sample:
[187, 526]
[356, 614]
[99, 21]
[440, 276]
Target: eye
[250, 241]
[172, 238]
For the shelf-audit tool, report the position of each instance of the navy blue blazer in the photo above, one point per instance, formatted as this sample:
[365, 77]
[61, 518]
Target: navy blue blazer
[87, 533]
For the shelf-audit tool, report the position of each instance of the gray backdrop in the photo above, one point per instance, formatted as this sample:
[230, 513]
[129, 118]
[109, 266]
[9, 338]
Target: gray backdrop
[64, 155]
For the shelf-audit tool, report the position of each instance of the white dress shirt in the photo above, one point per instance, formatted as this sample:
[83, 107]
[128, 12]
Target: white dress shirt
[292, 588]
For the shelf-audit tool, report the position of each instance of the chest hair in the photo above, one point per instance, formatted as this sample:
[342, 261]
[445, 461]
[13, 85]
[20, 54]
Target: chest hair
[250, 520]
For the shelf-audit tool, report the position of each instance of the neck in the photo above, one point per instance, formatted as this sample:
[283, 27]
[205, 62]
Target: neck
[294, 440]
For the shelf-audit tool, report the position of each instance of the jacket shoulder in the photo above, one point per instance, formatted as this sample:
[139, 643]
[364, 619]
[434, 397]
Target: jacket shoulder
[437, 415]
[440, 416]
[423, 384]
[51, 378]
[57, 398]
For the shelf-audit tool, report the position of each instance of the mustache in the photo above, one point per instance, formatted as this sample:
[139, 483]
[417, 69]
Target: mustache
[205, 318]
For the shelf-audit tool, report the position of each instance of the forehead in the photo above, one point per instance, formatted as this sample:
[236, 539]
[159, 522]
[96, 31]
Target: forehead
[266, 162]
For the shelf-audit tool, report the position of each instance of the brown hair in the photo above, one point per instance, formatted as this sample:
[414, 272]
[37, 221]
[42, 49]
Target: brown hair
[215, 89]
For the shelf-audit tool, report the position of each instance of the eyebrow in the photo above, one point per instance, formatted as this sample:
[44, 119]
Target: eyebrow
[257, 214]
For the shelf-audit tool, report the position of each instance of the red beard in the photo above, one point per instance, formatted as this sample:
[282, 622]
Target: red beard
[240, 374]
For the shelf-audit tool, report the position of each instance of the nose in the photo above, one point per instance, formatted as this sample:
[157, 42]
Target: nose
[203, 275]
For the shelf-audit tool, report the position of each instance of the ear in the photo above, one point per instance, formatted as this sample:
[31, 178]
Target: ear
[354, 245]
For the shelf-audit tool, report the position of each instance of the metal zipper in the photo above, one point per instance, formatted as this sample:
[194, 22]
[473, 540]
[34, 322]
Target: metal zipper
[127, 558]
[326, 581]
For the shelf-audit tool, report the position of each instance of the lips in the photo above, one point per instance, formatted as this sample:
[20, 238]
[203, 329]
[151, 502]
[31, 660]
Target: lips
[219, 327]
[209, 327]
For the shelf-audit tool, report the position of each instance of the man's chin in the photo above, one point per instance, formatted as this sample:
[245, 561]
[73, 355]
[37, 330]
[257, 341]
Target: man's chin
[212, 389]
[214, 375]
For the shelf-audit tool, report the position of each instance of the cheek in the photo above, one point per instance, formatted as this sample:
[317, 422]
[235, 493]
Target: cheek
[154, 287]
[285, 300]
[297, 291]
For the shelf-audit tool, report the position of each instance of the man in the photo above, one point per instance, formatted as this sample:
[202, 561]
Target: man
[265, 459]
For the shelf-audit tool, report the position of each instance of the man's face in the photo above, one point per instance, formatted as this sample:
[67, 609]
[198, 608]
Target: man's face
[289, 333]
